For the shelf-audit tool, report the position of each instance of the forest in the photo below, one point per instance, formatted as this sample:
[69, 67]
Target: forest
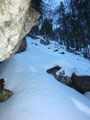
[72, 25]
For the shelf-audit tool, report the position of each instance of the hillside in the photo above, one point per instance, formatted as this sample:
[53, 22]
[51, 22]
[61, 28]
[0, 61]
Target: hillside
[37, 94]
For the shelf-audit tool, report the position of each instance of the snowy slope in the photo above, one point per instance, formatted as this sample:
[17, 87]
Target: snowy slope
[37, 95]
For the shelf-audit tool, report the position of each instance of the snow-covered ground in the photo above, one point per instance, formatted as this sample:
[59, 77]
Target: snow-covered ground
[37, 94]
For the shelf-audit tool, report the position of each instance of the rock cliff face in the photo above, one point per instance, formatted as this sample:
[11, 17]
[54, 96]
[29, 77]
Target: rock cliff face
[17, 17]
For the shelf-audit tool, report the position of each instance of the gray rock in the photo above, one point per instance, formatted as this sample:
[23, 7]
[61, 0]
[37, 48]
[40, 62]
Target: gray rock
[5, 95]
[17, 17]
[61, 78]
[81, 83]
[53, 70]
[62, 53]
[65, 80]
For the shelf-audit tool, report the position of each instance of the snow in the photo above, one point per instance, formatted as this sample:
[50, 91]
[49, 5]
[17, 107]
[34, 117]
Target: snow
[82, 107]
[68, 71]
[87, 94]
[38, 95]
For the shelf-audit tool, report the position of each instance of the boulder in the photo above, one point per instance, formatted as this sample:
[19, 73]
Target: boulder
[64, 79]
[60, 77]
[81, 83]
[17, 17]
[53, 70]
[5, 95]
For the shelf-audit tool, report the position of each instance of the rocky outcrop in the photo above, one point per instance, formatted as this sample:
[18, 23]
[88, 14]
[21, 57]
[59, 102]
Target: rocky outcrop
[17, 17]
[64, 79]
[81, 83]
[60, 77]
